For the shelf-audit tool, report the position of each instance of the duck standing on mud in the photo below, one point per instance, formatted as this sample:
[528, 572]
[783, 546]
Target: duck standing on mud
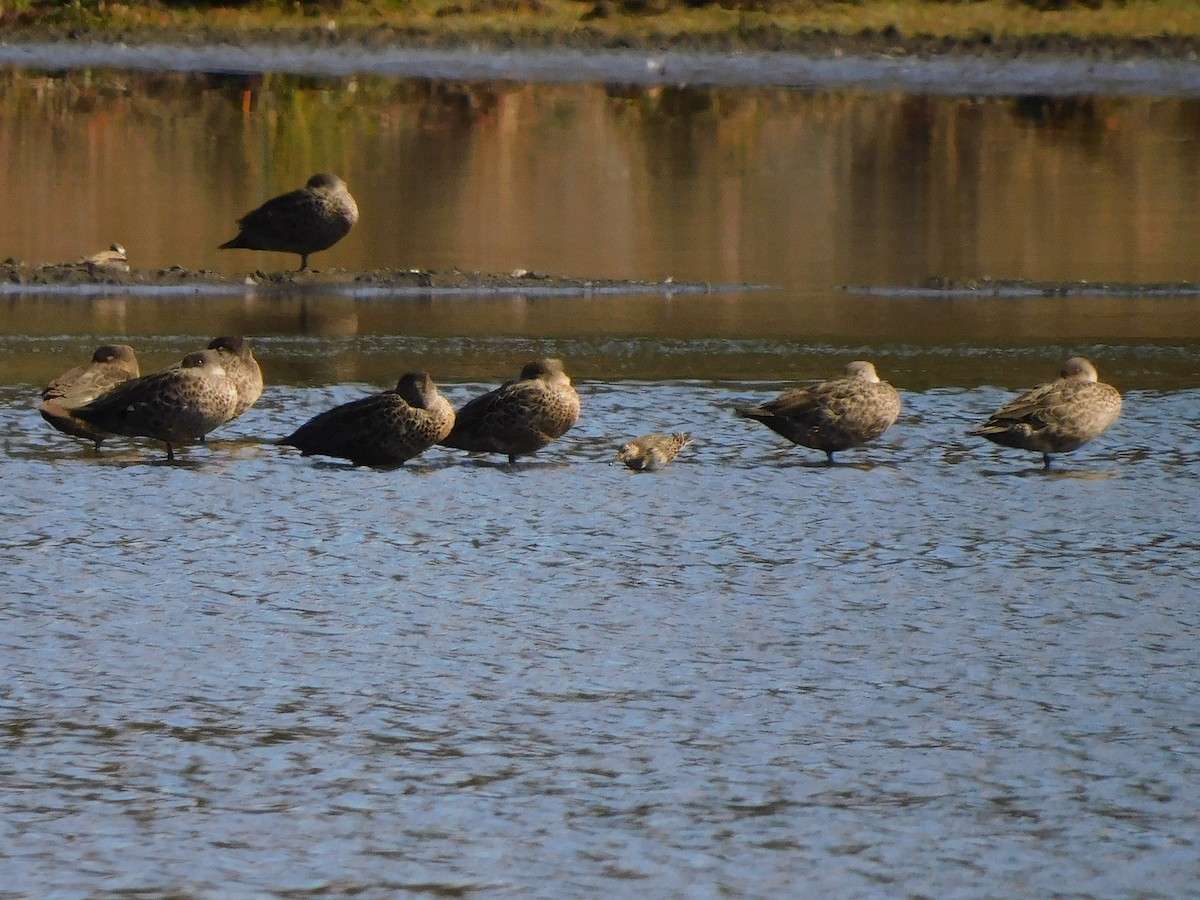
[1058, 416]
[519, 417]
[303, 221]
[833, 415]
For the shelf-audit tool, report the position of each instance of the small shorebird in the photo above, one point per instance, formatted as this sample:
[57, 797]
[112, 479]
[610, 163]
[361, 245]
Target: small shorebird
[181, 404]
[833, 415]
[237, 359]
[1058, 416]
[519, 417]
[303, 221]
[111, 260]
[651, 452]
[380, 430]
[111, 365]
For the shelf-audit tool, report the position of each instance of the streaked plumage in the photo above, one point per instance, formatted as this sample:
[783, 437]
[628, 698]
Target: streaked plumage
[651, 452]
[519, 417]
[111, 260]
[833, 415]
[303, 221]
[183, 403]
[1058, 416]
[111, 365]
[237, 359]
[383, 429]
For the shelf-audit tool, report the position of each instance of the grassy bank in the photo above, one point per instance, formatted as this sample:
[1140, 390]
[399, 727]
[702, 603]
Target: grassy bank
[1133, 28]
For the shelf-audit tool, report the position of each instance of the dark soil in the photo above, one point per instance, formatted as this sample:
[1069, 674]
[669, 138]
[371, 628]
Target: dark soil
[16, 276]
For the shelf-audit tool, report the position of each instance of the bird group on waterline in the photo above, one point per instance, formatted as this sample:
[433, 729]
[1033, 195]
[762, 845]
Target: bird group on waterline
[207, 388]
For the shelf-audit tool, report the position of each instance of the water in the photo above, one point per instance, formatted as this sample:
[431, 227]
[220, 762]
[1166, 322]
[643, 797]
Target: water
[933, 669]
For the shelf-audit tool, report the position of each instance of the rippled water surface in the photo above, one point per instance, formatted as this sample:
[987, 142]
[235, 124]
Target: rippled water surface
[933, 669]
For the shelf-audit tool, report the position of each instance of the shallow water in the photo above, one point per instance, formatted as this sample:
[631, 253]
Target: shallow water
[932, 669]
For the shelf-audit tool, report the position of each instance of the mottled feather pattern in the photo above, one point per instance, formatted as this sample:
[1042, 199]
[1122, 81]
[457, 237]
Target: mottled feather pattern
[1056, 417]
[833, 415]
[651, 452]
[519, 417]
[111, 365]
[303, 221]
[237, 359]
[383, 429]
[174, 406]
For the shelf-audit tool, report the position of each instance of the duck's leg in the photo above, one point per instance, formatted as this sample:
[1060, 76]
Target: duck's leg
[170, 452]
[1046, 459]
[303, 262]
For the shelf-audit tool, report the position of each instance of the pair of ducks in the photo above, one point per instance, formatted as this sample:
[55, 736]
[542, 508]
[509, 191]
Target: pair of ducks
[183, 403]
[1056, 417]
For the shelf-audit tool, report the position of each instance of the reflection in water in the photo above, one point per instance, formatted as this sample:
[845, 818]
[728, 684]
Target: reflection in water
[804, 190]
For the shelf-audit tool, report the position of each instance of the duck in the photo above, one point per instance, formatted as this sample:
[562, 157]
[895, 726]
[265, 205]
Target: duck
[237, 359]
[832, 415]
[114, 259]
[1059, 416]
[111, 365]
[380, 430]
[180, 404]
[520, 417]
[651, 452]
[303, 221]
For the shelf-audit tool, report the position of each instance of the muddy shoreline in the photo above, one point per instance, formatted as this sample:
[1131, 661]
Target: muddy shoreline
[79, 278]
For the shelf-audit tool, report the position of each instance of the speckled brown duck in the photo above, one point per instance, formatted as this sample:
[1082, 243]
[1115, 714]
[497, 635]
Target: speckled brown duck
[833, 415]
[303, 221]
[237, 359]
[1058, 416]
[182, 404]
[111, 365]
[380, 430]
[651, 452]
[519, 417]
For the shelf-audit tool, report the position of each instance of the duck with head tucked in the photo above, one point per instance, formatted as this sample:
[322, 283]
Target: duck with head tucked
[237, 359]
[519, 417]
[1056, 417]
[111, 365]
[182, 404]
[381, 430]
[832, 415]
[303, 221]
[651, 452]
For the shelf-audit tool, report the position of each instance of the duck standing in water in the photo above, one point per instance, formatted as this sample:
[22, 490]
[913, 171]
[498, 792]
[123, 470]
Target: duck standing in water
[519, 417]
[1058, 416]
[111, 365]
[833, 415]
[651, 452]
[303, 221]
[182, 404]
[237, 359]
[380, 430]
